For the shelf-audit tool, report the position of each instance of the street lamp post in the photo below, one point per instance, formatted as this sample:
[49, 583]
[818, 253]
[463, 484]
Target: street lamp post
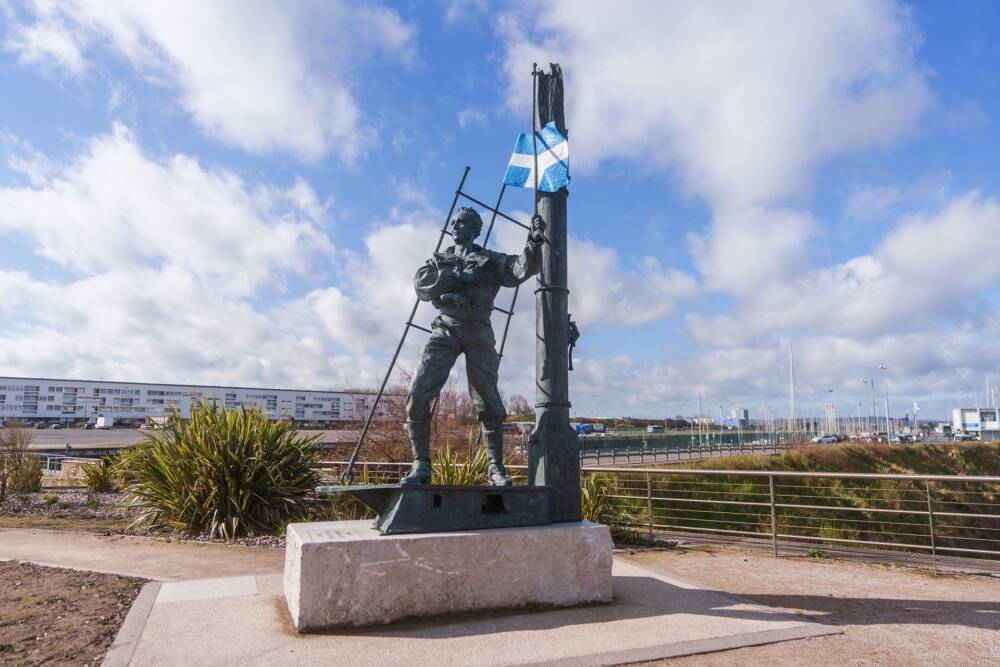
[868, 408]
[885, 385]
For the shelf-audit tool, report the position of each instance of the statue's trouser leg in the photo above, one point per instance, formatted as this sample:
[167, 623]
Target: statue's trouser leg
[436, 360]
[482, 364]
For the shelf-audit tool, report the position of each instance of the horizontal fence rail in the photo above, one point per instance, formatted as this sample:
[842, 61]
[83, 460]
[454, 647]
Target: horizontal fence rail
[934, 519]
[62, 466]
[639, 447]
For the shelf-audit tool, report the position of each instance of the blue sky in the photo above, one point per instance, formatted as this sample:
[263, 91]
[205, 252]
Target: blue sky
[229, 193]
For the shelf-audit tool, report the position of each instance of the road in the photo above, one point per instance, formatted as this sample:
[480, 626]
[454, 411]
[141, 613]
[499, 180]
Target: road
[81, 439]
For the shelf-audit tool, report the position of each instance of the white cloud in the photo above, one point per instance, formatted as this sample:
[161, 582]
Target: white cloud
[927, 269]
[260, 76]
[463, 11]
[744, 100]
[471, 116]
[929, 367]
[49, 45]
[741, 105]
[605, 289]
[115, 208]
[365, 313]
[161, 269]
[368, 310]
[872, 202]
[150, 310]
[748, 248]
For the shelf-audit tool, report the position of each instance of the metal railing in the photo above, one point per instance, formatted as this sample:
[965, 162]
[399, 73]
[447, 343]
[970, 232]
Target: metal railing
[937, 520]
[935, 515]
[63, 466]
[628, 448]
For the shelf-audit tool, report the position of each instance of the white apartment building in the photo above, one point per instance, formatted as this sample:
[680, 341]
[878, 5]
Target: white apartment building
[48, 399]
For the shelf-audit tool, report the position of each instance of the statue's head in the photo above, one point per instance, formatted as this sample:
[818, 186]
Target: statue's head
[466, 225]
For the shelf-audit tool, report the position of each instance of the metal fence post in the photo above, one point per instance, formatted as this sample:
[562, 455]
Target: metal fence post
[649, 502]
[774, 518]
[930, 522]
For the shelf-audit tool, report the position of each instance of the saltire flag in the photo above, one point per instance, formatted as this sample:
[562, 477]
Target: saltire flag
[553, 161]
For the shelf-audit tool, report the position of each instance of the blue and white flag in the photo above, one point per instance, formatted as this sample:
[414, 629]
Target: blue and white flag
[553, 161]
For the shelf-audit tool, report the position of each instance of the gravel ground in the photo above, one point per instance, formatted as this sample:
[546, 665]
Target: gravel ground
[889, 615]
[68, 503]
[51, 616]
[105, 513]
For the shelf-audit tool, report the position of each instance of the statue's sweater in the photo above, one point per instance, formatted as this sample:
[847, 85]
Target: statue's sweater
[439, 281]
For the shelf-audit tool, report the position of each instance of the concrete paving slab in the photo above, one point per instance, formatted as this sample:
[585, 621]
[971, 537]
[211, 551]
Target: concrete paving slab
[120, 653]
[653, 616]
[143, 557]
[206, 589]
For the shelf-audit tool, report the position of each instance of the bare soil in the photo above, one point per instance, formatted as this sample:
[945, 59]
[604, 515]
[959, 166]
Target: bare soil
[889, 615]
[53, 616]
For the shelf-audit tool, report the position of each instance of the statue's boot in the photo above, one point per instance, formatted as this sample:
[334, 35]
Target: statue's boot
[420, 443]
[494, 454]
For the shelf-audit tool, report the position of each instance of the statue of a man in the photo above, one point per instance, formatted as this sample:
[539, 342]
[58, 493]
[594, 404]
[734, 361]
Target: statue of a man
[461, 283]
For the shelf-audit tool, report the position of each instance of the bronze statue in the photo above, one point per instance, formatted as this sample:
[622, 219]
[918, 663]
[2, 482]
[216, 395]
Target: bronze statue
[461, 283]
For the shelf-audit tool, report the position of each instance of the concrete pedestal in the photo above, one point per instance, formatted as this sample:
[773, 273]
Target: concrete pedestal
[344, 573]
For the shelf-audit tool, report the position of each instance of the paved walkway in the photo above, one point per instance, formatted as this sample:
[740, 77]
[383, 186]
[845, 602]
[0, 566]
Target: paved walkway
[230, 606]
[137, 556]
[889, 615]
[244, 621]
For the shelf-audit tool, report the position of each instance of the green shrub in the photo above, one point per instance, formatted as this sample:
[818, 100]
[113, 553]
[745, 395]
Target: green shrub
[594, 502]
[50, 498]
[598, 506]
[619, 514]
[100, 476]
[450, 470]
[222, 472]
[29, 476]
[345, 507]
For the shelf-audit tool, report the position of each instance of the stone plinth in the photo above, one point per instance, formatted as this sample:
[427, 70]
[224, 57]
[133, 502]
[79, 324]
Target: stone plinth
[344, 573]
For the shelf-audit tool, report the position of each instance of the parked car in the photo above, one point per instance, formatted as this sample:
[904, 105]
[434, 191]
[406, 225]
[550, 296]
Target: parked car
[964, 437]
[53, 427]
[825, 438]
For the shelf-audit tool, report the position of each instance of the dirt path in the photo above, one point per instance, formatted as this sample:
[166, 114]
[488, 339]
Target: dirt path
[145, 557]
[890, 615]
